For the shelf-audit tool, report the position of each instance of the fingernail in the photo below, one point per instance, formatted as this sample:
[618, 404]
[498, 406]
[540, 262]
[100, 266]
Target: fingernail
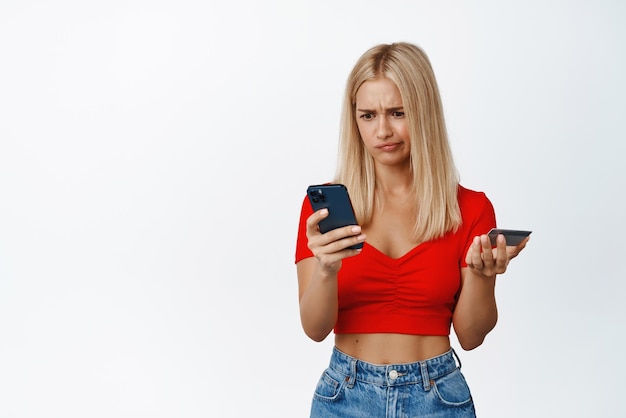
[356, 229]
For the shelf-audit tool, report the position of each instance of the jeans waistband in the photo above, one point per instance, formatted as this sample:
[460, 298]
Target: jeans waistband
[394, 374]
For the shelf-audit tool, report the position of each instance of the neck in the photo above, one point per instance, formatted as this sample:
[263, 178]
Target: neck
[394, 181]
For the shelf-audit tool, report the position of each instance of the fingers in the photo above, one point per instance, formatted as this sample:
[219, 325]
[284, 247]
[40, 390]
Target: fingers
[485, 260]
[314, 219]
[341, 238]
[331, 247]
[338, 234]
[502, 259]
[512, 252]
[474, 257]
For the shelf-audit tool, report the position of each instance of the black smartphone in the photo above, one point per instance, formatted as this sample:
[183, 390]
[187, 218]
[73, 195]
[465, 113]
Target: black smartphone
[513, 236]
[335, 198]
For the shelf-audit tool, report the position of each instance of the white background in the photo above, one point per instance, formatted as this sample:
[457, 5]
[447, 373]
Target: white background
[154, 156]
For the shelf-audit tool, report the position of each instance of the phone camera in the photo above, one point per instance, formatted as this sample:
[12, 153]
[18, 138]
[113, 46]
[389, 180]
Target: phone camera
[317, 196]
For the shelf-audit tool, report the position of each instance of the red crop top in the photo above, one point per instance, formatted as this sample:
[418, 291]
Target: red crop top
[413, 294]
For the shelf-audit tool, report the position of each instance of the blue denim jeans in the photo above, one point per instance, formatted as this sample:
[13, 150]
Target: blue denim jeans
[353, 388]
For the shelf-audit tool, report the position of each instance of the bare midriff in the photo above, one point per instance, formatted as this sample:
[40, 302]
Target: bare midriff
[392, 348]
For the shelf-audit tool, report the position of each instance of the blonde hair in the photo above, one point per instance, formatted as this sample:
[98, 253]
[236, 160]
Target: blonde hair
[434, 174]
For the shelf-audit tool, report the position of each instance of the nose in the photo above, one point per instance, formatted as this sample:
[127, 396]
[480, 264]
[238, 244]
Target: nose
[383, 130]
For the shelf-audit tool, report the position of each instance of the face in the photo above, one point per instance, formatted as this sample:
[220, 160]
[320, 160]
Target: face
[381, 122]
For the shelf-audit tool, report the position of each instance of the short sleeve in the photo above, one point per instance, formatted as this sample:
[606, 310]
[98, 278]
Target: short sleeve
[302, 249]
[478, 217]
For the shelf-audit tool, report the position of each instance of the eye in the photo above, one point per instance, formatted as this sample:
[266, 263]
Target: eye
[397, 114]
[367, 116]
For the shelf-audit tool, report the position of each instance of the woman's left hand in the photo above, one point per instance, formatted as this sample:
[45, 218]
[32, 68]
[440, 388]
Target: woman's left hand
[486, 261]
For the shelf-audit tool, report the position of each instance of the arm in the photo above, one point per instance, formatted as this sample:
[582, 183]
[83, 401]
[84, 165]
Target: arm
[317, 276]
[318, 299]
[476, 312]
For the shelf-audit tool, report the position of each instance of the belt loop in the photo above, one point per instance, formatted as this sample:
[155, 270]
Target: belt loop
[456, 357]
[352, 377]
[425, 377]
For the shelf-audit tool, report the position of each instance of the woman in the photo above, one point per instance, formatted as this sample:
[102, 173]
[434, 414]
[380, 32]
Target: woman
[426, 263]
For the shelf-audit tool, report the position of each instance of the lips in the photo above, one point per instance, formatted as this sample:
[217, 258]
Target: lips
[388, 146]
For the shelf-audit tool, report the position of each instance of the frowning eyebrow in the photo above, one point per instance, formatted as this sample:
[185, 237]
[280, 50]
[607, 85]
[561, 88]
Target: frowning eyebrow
[389, 109]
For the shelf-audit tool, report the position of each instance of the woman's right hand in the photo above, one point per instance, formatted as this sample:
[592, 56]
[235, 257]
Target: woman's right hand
[332, 247]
